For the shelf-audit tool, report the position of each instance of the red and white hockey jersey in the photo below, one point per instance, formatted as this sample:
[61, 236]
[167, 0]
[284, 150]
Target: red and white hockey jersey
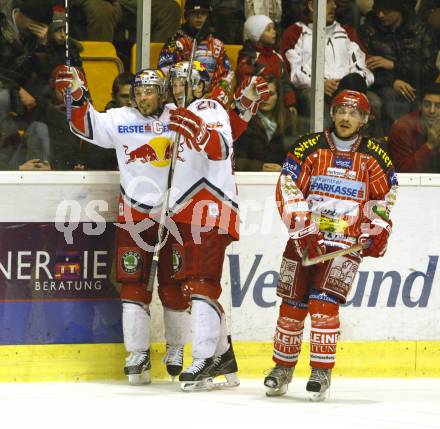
[337, 190]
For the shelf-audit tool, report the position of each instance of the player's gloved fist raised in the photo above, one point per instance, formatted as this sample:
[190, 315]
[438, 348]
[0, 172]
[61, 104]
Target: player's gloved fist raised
[308, 239]
[376, 239]
[251, 92]
[72, 77]
[190, 126]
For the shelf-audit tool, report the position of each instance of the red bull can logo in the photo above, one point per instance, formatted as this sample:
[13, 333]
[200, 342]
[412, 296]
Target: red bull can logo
[156, 152]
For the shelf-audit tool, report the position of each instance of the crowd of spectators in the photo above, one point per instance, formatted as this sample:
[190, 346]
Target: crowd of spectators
[388, 49]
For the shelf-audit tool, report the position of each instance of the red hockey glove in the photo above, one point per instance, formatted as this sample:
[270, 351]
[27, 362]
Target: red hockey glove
[376, 240]
[64, 77]
[251, 92]
[309, 238]
[191, 127]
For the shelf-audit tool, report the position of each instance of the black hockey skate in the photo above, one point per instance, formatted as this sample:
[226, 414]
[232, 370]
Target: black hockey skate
[277, 380]
[198, 376]
[137, 367]
[319, 384]
[173, 359]
[226, 365]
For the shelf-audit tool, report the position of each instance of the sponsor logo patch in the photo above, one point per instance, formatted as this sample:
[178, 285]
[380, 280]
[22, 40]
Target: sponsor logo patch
[131, 261]
[291, 168]
[392, 178]
[342, 162]
[338, 186]
[176, 262]
[341, 172]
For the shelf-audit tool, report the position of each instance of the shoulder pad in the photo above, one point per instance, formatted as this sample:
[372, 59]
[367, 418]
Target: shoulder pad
[307, 144]
[379, 150]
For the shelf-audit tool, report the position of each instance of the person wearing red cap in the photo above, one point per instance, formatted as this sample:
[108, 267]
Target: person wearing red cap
[335, 190]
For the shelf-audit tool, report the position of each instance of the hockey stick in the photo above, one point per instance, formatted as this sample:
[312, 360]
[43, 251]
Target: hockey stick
[165, 207]
[68, 90]
[327, 256]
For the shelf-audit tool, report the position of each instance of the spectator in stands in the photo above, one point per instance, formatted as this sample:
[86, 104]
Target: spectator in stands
[56, 46]
[415, 137]
[263, 145]
[429, 12]
[121, 91]
[228, 19]
[210, 51]
[258, 56]
[402, 57]
[23, 31]
[343, 54]
[23, 34]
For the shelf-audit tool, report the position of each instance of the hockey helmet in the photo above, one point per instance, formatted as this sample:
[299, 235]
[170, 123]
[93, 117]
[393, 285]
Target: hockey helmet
[198, 73]
[147, 77]
[354, 99]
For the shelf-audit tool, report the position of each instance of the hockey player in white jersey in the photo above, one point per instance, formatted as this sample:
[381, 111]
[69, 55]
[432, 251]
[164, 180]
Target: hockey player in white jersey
[204, 207]
[143, 143]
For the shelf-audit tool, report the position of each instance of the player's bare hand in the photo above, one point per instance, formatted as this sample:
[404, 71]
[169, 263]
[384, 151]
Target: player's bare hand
[405, 89]
[330, 86]
[28, 101]
[40, 30]
[378, 62]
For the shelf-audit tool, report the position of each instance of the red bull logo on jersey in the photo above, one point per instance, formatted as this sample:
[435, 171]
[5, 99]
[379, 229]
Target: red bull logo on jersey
[156, 152]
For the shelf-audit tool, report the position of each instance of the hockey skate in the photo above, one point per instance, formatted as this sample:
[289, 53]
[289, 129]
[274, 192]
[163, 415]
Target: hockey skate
[278, 379]
[226, 365]
[198, 376]
[173, 359]
[319, 384]
[137, 368]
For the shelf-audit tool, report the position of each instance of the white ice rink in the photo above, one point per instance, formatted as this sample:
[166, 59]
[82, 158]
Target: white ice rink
[354, 404]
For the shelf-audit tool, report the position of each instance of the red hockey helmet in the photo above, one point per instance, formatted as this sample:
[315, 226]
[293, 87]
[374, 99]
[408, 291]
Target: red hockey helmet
[354, 99]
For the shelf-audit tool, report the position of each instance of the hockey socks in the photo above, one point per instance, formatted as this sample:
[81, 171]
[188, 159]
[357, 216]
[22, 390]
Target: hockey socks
[324, 333]
[136, 330]
[288, 335]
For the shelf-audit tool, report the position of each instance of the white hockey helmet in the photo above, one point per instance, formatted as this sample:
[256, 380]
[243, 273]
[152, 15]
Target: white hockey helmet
[148, 77]
[198, 73]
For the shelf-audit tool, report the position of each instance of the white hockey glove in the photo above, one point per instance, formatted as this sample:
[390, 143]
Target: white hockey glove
[251, 92]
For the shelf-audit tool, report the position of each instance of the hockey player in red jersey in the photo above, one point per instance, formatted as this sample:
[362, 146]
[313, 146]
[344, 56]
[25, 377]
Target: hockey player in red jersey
[142, 140]
[336, 190]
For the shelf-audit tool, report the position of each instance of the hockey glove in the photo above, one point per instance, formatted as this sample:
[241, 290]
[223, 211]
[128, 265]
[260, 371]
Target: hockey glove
[191, 127]
[70, 77]
[309, 238]
[375, 242]
[248, 96]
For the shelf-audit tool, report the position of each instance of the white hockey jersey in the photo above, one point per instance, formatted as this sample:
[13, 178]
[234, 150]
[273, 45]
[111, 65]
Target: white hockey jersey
[143, 148]
[204, 189]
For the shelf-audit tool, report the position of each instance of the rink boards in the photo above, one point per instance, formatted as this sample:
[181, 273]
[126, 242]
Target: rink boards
[59, 307]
